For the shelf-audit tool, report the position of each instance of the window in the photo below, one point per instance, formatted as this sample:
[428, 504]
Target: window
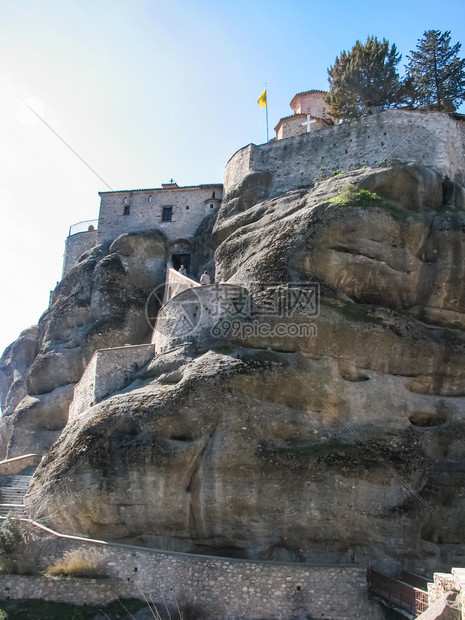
[187, 208]
[167, 214]
[211, 206]
[127, 210]
[150, 198]
[213, 195]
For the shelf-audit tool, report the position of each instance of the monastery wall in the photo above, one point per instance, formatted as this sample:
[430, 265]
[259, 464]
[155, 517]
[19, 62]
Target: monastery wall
[145, 208]
[196, 314]
[221, 587]
[108, 371]
[76, 245]
[431, 139]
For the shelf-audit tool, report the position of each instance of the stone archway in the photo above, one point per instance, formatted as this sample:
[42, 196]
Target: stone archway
[181, 254]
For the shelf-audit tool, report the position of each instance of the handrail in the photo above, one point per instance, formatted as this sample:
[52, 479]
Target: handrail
[401, 594]
[84, 226]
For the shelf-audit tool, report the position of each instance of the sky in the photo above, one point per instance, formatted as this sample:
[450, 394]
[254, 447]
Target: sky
[148, 90]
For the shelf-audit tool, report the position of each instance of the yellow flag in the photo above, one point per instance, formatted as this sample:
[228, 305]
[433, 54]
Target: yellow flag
[262, 99]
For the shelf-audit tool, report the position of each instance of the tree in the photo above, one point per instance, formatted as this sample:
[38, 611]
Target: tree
[364, 80]
[435, 74]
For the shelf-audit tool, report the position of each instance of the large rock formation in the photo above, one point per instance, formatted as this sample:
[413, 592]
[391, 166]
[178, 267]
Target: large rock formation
[309, 436]
[100, 303]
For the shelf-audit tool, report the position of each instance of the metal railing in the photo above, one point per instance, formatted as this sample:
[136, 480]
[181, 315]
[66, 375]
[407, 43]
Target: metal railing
[85, 226]
[398, 593]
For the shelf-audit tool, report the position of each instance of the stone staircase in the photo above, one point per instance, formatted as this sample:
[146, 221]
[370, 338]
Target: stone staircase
[12, 490]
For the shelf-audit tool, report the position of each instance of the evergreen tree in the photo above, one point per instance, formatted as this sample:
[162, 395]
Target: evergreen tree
[435, 74]
[364, 80]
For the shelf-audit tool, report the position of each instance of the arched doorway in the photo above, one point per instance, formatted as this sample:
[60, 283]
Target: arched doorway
[181, 254]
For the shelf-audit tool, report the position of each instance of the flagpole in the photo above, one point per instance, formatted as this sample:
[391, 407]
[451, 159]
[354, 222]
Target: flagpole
[267, 137]
[266, 110]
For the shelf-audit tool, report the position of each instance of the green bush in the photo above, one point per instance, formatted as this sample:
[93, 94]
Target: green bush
[10, 535]
[350, 196]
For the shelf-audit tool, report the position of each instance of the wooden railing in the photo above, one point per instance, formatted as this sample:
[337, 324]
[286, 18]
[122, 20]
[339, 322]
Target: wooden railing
[398, 593]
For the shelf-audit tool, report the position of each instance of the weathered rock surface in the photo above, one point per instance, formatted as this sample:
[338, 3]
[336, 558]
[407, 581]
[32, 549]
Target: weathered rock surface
[323, 438]
[100, 303]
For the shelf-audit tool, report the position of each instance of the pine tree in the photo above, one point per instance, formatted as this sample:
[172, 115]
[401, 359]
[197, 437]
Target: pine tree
[435, 74]
[364, 80]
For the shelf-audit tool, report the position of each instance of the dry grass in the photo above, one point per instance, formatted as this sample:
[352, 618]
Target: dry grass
[78, 563]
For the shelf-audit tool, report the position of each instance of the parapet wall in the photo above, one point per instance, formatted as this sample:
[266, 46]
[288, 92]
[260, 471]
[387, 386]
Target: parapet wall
[76, 245]
[176, 283]
[432, 139]
[222, 587]
[108, 371]
[60, 590]
[199, 315]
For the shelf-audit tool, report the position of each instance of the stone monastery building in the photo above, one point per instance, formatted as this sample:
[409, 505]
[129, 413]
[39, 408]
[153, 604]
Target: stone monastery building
[310, 113]
[174, 210]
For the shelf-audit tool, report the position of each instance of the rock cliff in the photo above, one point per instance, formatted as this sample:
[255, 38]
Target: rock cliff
[100, 303]
[326, 436]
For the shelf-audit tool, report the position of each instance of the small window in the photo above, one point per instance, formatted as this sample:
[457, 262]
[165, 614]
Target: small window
[125, 201]
[150, 198]
[211, 206]
[187, 208]
[213, 195]
[127, 210]
[167, 214]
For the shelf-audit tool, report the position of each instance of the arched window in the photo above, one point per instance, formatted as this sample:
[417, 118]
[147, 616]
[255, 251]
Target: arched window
[213, 195]
[127, 210]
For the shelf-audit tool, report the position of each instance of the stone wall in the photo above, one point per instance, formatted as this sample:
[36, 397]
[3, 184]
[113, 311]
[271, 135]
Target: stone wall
[241, 164]
[61, 590]
[176, 283]
[435, 140]
[297, 125]
[445, 583]
[76, 245]
[144, 208]
[222, 587]
[108, 371]
[204, 315]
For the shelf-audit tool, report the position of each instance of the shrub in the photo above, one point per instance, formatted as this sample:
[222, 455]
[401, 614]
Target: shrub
[18, 554]
[358, 198]
[10, 535]
[78, 563]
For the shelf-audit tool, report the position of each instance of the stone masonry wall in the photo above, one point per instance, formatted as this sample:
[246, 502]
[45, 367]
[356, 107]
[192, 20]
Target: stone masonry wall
[435, 140]
[68, 590]
[190, 206]
[200, 315]
[84, 389]
[297, 125]
[176, 283]
[108, 371]
[448, 582]
[75, 246]
[223, 588]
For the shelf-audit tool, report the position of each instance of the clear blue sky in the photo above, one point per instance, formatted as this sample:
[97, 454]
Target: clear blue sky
[149, 90]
